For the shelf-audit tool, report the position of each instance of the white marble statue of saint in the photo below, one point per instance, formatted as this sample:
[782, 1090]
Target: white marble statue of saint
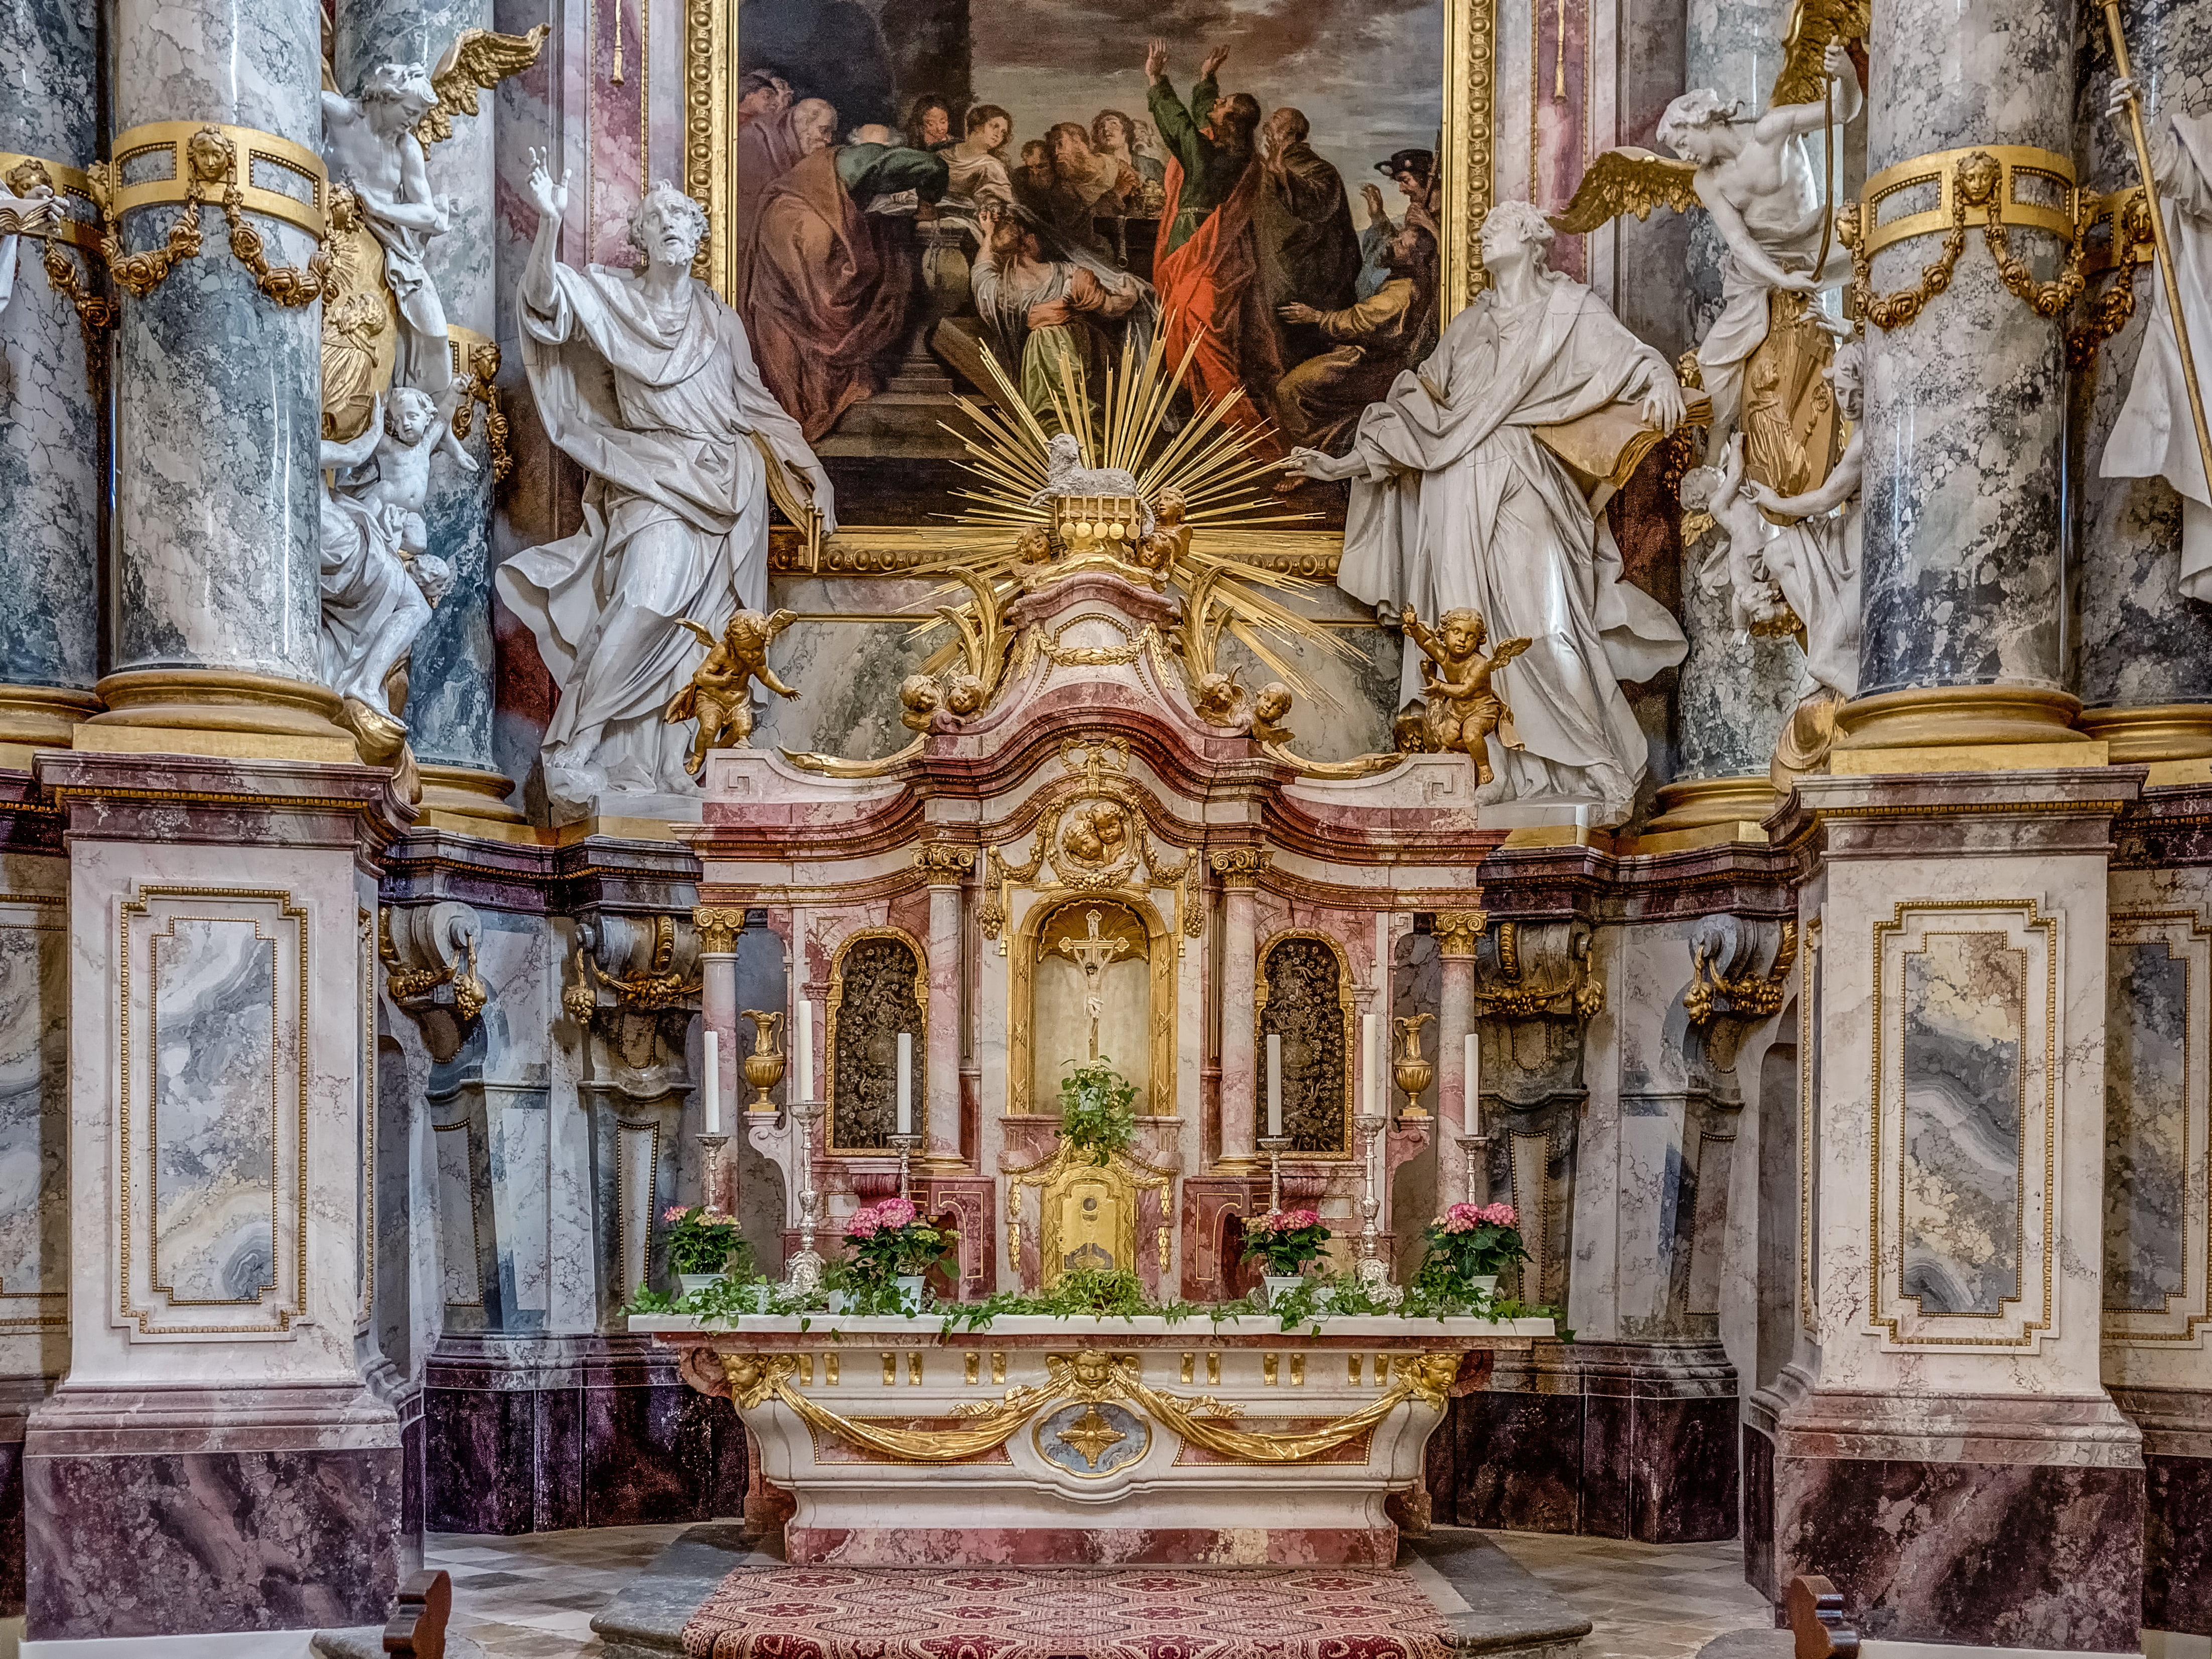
[2155, 435]
[645, 378]
[372, 147]
[1456, 501]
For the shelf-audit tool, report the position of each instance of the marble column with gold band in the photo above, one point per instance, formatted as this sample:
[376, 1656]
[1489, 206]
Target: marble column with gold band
[1237, 869]
[1458, 932]
[450, 683]
[1735, 689]
[216, 646]
[50, 454]
[2143, 653]
[1965, 403]
[946, 867]
[719, 926]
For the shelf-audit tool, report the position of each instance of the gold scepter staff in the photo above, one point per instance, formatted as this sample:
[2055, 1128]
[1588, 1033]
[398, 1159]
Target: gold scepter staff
[2166, 272]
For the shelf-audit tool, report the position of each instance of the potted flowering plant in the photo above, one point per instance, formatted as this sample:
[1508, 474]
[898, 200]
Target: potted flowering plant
[1287, 1241]
[890, 1244]
[1097, 1115]
[1476, 1242]
[701, 1240]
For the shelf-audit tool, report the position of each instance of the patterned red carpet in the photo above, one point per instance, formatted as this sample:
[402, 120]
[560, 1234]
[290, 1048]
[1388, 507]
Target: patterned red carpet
[1085, 1613]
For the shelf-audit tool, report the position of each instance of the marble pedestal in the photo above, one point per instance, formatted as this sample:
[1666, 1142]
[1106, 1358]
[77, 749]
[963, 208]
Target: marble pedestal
[213, 1461]
[1089, 1474]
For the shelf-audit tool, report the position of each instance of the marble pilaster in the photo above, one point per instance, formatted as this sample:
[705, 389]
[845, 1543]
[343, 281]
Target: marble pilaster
[1965, 405]
[218, 393]
[1237, 870]
[947, 866]
[1956, 1389]
[1458, 932]
[50, 419]
[213, 1461]
[2138, 644]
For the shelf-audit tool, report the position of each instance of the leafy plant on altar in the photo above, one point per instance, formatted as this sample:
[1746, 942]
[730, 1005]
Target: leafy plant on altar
[1097, 1110]
[1288, 1241]
[890, 1238]
[703, 1240]
[1475, 1241]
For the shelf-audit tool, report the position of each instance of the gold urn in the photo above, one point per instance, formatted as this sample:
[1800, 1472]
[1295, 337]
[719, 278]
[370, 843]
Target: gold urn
[1412, 1073]
[764, 1066]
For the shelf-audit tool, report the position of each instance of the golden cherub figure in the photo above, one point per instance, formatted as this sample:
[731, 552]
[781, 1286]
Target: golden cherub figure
[1159, 548]
[1268, 711]
[1463, 711]
[719, 696]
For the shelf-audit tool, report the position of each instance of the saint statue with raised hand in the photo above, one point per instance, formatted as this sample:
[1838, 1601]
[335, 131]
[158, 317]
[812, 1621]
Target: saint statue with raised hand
[646, 380]
[1464, 496]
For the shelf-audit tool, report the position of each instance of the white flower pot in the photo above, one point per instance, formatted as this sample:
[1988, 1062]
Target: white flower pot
[691, 1282]
[910, 1291]
[840, 1301]
[1486, 1283]
[1281, 1285]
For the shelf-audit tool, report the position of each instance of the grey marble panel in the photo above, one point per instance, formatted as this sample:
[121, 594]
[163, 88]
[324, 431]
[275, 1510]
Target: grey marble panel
[2146, 1125]
[33, 1113]
[449, 685]
[213, 1008]
[1963, 1018]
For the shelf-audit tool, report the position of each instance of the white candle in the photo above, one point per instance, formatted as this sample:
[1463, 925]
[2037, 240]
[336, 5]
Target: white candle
[906, 1083]
[1473, 1085]
[805, 1051]
[1371, 1100]
[714, 1081]
[1274, 1084]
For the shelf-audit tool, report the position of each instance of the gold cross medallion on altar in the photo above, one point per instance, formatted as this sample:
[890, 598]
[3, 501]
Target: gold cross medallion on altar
[1092, 1439]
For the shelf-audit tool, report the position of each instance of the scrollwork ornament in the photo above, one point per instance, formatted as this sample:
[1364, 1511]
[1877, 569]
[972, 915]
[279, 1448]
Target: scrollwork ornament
[1459, 932]
[719, 926]
[1239, 866]
[943, 863]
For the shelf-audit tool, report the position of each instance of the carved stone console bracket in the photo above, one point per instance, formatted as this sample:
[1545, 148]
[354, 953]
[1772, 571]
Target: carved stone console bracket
[1527, 969]
[429, 955]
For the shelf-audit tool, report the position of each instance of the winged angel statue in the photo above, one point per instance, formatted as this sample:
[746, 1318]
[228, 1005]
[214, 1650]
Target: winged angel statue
[1755, 181]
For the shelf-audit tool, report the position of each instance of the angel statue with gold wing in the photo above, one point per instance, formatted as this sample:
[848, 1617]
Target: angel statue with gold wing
[1754, 179]
[377, 144]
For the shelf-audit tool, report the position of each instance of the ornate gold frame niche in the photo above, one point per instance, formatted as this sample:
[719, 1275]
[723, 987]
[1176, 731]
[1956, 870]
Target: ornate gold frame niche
[1160, 952]
[710, 136]
[1346, 1002]
[835, 1001]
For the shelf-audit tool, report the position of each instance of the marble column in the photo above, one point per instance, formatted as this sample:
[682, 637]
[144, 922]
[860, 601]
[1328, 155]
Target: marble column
[218, 397]
[2143, 653]
[1237, 869]
[1735, 690]
[1458, 932]
[1955, 1464]
[1965, 409]
[450, 689]
[50, 419]
[213, 1462]
[947, 866]
[720, 927]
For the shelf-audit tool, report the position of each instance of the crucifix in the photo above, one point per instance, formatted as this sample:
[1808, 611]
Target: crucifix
[1091, 954]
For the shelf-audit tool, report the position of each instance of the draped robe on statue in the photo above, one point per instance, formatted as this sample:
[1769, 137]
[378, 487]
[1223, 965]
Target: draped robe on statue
[1461, 505]
[663, 414]
[1209, 287]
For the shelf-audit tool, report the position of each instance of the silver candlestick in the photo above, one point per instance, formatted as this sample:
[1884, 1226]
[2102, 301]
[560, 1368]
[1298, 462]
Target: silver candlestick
[908, 1145]
[710, 1176]
[804, 1271]
[1370, 1270]
[1274, 1146]
[1476, 1150]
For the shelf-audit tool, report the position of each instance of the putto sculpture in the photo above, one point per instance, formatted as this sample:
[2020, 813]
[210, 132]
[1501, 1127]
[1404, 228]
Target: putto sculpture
[719, 699]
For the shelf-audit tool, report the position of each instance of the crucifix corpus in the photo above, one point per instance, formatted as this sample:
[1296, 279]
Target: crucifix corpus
[1091, 955]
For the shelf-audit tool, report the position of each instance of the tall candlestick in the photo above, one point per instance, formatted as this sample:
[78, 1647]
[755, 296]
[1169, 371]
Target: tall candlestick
[1274, 1082]
[805, 1049]
[714, 1081]
[1371, 1065]
[1474, 1084]
[906, 1083]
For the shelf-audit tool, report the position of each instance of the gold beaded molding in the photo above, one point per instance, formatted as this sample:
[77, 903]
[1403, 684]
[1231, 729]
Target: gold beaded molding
[1980, 182]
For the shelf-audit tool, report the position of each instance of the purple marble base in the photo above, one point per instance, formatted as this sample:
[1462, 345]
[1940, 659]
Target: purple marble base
[11, 1529]
[1758, 1514]
[595, 1431]
[158, 1543]
[1989, 1554]
[1612, 1440]
[2177, 1544]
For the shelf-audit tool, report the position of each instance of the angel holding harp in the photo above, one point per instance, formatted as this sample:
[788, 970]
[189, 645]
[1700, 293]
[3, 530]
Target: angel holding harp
[1753, 178]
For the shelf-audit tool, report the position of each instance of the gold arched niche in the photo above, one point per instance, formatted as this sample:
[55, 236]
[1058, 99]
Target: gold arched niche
[836, 1009]
[1155, 1091]
[1348, 1010]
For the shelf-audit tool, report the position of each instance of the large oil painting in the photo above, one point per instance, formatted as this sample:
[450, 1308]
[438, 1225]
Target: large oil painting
[926, 199]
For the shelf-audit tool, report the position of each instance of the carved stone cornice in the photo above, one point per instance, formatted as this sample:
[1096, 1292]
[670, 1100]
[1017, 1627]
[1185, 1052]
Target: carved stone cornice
[943, 863]
[719, 926]
[1458, 932]
[1240, 867]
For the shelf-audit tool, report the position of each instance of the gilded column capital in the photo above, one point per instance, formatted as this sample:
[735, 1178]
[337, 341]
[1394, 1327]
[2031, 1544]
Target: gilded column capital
[1458, 932]
[943, 863]
[1240, 866]
[719, 926]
